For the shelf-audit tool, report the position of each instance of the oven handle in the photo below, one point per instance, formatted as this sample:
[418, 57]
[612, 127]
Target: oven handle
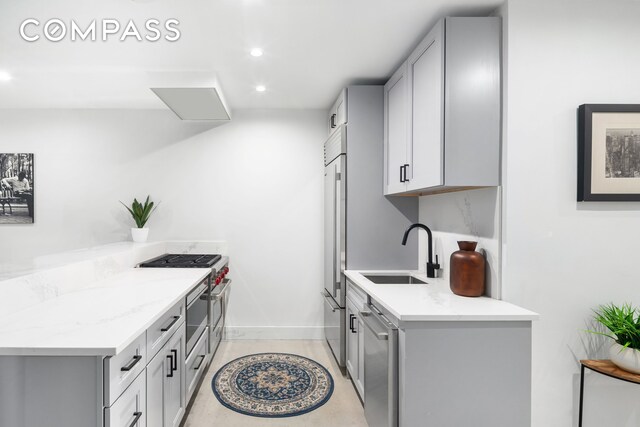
[220, 294]
[202, 296]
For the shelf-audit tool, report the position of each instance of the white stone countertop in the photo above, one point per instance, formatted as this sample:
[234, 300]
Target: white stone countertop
[435, 301]
[99, 319]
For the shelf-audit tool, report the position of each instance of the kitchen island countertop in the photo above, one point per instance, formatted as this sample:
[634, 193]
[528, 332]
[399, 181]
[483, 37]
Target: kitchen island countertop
[434, 301]
[99, 319]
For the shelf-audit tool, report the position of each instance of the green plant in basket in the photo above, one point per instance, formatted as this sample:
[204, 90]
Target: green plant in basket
[623, 323]
[141, 212]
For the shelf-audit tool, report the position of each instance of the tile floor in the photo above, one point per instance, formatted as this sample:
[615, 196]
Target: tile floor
[342, 410]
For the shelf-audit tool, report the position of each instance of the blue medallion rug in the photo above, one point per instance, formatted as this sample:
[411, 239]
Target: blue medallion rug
[272, 385]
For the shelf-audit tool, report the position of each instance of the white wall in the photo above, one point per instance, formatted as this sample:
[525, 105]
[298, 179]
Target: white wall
[563, 258]
[466, 215]
[255, 182]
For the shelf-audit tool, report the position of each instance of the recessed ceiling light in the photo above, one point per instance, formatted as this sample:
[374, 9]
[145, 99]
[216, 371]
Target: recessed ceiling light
[256, 51]
[4, 76]
[261, 88]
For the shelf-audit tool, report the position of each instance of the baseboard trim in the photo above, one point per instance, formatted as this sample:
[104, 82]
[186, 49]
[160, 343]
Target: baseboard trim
[274, 332]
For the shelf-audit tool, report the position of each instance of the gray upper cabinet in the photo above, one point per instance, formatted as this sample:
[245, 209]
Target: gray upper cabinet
[396, 131]
[442, 111]
[338, 112]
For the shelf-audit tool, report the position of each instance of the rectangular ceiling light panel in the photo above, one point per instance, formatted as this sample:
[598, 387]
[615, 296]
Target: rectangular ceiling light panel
[194, 103]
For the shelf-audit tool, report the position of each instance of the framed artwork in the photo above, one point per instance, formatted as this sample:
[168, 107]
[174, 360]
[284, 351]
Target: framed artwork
[609, 152]
[16, 188]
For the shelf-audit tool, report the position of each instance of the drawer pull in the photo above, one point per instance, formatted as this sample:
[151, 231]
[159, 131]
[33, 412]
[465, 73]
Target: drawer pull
[202, 357]
[136, 416]
[170, 325]
[133, 363]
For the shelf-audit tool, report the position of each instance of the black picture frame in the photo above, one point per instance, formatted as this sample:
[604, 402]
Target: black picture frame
[586, 145]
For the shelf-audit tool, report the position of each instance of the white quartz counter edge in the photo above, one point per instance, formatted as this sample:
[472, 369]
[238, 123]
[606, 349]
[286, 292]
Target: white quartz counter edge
[435, 301]
[100, 319]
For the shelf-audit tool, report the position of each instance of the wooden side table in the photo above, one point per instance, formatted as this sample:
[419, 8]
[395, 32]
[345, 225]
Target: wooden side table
[604, 367]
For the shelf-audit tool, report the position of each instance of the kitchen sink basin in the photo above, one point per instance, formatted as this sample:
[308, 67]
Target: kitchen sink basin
[397, 279]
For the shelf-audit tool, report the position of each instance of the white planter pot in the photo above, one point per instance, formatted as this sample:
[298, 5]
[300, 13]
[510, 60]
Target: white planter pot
[139, 235]
[625, 358]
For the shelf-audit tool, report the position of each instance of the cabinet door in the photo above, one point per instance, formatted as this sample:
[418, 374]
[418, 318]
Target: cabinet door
[155, 388]
[174, 380]
[352, 340]
[338, 112]
[396, 138]
[130, 408]
[425, 74]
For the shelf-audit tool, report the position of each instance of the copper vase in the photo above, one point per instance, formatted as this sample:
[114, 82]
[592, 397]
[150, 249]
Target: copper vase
[467, 270]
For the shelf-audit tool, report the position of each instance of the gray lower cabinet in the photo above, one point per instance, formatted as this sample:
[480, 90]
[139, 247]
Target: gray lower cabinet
[355, 338]
[130, 409]
[166, 398]
[143, 385]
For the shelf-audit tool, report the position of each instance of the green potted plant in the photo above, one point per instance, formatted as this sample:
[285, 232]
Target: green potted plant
[140, 213]
[623, 327]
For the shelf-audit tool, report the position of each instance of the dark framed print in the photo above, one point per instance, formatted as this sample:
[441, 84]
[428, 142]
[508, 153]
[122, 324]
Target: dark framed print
[609, 152]
[16, 188]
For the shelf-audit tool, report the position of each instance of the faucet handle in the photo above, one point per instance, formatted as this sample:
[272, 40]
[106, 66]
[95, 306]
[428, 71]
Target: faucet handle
[432, 267]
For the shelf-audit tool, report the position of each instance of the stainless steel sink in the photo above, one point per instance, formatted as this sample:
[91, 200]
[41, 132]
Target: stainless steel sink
[394, 279]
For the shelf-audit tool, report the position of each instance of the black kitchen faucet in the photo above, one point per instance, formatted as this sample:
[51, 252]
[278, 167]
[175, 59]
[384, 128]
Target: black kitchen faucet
[431, 267]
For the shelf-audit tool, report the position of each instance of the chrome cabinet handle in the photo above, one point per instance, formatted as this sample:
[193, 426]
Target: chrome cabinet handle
[328, 300]
[170, 325]
[133, 363]
[136, 416]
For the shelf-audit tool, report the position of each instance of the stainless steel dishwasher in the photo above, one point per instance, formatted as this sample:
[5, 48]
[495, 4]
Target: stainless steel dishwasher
[380, 369]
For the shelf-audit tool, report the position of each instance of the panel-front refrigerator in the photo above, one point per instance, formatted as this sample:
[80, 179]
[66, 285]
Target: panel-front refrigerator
[334, 242]
[363, 228]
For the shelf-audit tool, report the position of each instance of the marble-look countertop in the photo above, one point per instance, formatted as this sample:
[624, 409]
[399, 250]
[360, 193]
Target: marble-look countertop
[99, 319]
[435, 301]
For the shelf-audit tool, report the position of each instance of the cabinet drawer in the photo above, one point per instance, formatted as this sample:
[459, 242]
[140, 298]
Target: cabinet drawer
[357, 295]
[196, 364]
[130, 408]
[160, 332]
[119, 371]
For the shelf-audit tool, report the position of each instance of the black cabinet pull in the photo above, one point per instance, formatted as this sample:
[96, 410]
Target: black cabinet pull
[406, 166]
[136, 417]
[352, 317]
[170, 374]
[202, 356]
[401, 173]
[133, 363]
[170, 325]
[174, 362]
[333, 121]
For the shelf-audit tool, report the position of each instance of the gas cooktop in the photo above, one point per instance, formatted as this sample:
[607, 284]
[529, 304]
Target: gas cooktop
[182, 261]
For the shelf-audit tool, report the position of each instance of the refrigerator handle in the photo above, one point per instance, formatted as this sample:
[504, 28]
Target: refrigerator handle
[338, 241]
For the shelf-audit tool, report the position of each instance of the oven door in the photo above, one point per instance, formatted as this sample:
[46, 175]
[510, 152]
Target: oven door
[197, 314]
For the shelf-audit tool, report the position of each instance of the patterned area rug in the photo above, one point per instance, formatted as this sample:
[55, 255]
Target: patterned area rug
[272, 385]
